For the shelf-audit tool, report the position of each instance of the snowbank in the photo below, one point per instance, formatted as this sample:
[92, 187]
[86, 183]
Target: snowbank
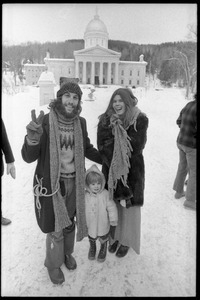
[167, 263]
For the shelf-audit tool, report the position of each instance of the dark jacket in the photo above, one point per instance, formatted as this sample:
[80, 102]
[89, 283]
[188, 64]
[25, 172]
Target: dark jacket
[5, 148]
[41, 152]
[136, 176]
[187, 121]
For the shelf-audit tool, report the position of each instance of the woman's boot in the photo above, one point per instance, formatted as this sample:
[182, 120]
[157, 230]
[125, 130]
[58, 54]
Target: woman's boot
[92, 250]
[112, 248]
[122, 251]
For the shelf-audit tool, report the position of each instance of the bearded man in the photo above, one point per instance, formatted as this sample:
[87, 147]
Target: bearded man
[59, 142]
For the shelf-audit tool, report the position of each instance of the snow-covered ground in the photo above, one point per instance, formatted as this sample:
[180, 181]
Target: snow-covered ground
[166, 265]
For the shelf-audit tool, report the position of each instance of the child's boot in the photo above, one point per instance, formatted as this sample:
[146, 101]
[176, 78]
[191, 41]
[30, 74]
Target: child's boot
[103, 250]
[92, 250]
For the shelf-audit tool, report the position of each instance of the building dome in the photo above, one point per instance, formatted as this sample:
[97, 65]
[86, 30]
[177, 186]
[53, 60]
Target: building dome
[96, 33]
[96, 25]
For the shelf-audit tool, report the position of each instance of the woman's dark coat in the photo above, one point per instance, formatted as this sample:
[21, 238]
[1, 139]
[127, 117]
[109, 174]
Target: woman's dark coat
[136, 176]
[41, 152]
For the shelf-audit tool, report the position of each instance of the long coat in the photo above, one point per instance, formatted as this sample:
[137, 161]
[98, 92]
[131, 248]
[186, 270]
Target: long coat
[41, 153]
[6, 150]
[100, 210]
[136, 176]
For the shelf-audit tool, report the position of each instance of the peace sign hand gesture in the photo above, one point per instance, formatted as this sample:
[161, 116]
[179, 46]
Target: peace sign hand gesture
[34, 128]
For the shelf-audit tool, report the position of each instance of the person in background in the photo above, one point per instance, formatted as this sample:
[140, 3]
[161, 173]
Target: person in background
[6, 152]
[59, 142]
[101, 212]
[121, 138]
[186, 143]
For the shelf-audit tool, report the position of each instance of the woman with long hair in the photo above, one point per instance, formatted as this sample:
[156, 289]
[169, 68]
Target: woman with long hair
[121, 138]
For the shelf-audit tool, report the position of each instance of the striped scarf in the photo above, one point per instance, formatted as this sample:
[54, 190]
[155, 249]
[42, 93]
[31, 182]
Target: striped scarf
[62, 219]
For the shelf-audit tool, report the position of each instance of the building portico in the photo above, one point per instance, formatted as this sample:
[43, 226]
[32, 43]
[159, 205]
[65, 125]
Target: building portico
[97, 65]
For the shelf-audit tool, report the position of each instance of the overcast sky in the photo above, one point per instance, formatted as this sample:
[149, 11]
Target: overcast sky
[136, 23]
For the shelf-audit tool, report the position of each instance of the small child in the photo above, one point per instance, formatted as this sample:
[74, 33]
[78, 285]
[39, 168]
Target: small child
[101, 212]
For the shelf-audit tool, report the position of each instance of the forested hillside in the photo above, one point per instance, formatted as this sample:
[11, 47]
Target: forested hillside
[172, 62]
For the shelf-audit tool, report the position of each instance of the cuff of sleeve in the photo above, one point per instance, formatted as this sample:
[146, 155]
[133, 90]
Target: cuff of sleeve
[113, 224]
[31, 142]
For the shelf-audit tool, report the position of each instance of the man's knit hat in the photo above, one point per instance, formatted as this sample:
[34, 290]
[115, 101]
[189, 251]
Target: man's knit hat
[71, 87]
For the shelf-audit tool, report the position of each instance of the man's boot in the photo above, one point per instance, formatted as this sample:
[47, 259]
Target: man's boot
[55, 256]
[69, 237]
[56, 275]
[92, 250]
[103, 251]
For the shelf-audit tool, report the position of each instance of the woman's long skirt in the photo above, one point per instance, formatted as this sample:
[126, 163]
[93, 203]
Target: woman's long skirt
[129, 227]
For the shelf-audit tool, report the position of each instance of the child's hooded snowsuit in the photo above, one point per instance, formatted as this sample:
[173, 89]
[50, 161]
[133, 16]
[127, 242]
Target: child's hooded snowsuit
[100, 210]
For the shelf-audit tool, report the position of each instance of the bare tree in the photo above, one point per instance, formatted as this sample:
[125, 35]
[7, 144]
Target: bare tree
[188, 61]
[192, 35]
[190, 70]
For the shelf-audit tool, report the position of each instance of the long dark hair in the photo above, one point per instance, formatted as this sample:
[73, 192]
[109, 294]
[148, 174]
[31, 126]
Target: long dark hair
[130, 102]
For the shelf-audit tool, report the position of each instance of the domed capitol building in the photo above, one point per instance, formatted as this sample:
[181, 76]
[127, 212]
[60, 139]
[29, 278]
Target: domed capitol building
[95, 64]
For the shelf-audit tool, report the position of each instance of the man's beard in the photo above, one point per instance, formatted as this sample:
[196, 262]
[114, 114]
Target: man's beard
[61, 109]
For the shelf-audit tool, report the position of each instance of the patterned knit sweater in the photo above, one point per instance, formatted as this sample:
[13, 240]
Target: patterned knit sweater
[66, 131]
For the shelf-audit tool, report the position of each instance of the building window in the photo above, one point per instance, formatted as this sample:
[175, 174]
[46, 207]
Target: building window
[138, 82]
[69, 71]
[122, 73]
[122, 81]
[129, 82]
[138, 73]
[130, 72]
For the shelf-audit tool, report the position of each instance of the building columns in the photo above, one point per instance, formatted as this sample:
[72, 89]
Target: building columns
[77, 69]
[84, 72]
[92, 73]
[116, 73]
[101, 73]
[109, 73]
[92, 70]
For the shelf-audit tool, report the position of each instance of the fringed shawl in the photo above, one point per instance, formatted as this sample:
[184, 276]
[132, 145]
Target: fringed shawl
[120, 163]
[62, 219]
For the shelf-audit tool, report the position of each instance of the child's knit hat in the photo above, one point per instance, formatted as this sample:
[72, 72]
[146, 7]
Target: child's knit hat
[71, 87]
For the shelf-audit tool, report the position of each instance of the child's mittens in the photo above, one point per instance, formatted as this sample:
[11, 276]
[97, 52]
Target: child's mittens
[126, 203]
[34, 128]
[123, 203]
